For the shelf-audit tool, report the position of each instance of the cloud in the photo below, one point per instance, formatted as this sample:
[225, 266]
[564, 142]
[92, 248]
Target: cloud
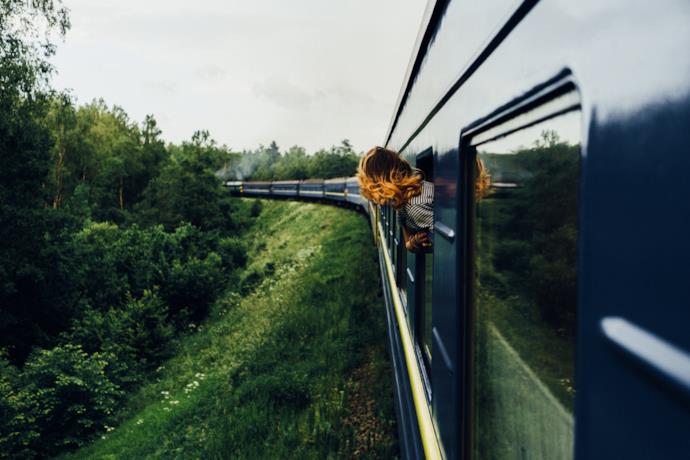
[284, 93]
[211, 73]
[354, 96]
[165, 86]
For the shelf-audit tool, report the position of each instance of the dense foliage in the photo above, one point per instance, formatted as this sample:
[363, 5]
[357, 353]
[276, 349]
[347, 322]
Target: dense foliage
[267, 163]
[113, 243]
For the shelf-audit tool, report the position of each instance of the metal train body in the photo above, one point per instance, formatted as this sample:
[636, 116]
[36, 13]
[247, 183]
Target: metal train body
[612, 81]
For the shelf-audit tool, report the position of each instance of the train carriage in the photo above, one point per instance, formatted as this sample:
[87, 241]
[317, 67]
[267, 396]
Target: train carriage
[256, 188]
[311, 188]
[352, 192]
[285, 187]
[334, 189]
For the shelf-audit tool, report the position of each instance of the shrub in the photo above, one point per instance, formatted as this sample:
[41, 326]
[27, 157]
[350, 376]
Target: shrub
[103, 285]
[16, 431]
[255, 209]
[232, 252]
[135, 337]
[67, 399]
[192, 286]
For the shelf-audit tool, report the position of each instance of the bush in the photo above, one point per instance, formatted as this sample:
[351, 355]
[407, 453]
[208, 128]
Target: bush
[16, 433]
[135, 337]
[192, 286]
[64, 399]
[255, 209]
[118, 262]
[103, 283]
[233, 253]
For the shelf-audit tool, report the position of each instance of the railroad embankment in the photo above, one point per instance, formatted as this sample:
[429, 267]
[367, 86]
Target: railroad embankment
[294, 365]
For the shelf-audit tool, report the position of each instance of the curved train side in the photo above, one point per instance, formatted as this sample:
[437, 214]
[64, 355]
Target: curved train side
[342, 190]
[550, 320]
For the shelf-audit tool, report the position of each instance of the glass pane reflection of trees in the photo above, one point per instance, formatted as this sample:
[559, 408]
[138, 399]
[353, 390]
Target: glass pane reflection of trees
[525, 234]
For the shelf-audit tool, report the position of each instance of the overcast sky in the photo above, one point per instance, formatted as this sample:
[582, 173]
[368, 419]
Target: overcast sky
[305, 72]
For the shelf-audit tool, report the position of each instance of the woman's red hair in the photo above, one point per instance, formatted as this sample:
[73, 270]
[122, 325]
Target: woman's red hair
[387, 178]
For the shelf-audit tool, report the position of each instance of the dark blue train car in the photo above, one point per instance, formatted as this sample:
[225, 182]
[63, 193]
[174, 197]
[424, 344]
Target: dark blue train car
[352, 194]
[334, 189]
[256, 188]
[285, 187]
[311, 188]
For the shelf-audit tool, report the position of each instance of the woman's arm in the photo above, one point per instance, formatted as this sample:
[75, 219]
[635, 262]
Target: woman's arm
[416, 241]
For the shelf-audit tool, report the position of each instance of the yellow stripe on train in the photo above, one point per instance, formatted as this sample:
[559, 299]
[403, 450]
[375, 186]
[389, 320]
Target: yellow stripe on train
[432, 450]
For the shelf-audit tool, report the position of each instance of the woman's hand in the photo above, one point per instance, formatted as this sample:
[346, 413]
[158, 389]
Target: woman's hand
[418, 241]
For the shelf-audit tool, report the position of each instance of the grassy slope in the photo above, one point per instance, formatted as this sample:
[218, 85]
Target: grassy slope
[296, 369]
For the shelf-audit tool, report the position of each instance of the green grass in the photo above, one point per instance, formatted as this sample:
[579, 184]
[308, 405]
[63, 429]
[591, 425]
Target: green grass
[296, 368]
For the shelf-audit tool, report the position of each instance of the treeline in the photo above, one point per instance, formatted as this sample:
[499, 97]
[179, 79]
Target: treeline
[268, 163]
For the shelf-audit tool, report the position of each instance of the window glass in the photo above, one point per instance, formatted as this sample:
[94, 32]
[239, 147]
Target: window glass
[402, 261]
[525, 264]
[386, 210]
[425, 271]
[394, 240]
[428, 291]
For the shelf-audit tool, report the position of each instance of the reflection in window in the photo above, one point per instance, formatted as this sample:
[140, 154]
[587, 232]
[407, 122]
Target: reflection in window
[425, 272]
[402, 262]
[394, 241]
[525, 247]
[425, 327]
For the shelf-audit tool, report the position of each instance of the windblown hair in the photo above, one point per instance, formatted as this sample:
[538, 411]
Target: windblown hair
[482, 184]
[387, 178]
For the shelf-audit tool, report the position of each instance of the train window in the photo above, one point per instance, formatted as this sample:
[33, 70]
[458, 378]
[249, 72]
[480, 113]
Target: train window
[401, 254]
[424, 270]
[386, 219]
[524, 234]
[390, 232]
[394, 241]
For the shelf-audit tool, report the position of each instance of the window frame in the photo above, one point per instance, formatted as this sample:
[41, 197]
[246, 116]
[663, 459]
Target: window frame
[424, 352]
[553, 98]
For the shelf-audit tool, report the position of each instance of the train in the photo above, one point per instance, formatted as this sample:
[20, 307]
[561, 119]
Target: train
[550, 319]
[342, 191]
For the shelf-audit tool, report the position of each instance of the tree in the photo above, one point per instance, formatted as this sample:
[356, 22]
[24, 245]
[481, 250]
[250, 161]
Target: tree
[293, 165]
[188, 189]
[36, 298]
[339, 161]
[62, 120]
